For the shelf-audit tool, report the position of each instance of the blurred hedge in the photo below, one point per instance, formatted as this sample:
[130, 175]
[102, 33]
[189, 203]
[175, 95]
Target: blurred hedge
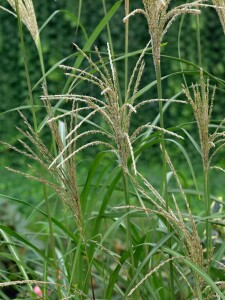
[61, 32]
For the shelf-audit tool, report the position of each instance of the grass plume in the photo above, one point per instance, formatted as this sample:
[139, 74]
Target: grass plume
[27, 16]
[202, 105]
[210, 143]
[61, 180]
[220, 7]
[116, 116]
[160, 19]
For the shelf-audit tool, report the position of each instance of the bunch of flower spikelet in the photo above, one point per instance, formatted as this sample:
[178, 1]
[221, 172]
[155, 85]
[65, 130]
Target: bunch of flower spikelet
[202, 107]
[220, 7]
[61, 180]
[160, 19]
[187, 233]
[117, 116]
[25, 10]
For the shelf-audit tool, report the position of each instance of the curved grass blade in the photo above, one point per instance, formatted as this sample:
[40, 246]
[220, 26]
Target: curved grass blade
[200, 272]
[86, 47]
[192, 140]
[14, 254]
[72, 17]
[91, 174]
[180, 60]
[188, 161]
[12, 233]
[147, 258]
[55, 221]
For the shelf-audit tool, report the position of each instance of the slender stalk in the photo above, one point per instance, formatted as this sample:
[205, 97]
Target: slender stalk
[128, 227]
[208, 226]
[125, 182]
[31, 102]
[89, 277]
[198, 33]
[127, 8]
[179, 47]
[164, 182]
[23, 49]
[207, 215]
[39, 48]
[111, 47]
[41, 59]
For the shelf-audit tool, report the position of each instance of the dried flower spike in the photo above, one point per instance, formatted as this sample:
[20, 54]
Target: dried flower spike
[61, 180]
[117, 116]
[202, 107]
[27, 16]
[220, 7]
[159, 19]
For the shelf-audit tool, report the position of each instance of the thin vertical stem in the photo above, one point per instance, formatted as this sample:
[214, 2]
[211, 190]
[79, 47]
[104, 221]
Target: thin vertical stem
[207, 215]
[179, 47]
[111, 48]
[31, 101]
[198, 33]
[164, 183]
[208, 226]
[128, 227]
[89, 277]
[159, 91]
[127, 8]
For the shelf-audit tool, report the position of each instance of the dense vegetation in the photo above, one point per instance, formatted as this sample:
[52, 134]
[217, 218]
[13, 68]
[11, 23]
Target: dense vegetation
[138, 214]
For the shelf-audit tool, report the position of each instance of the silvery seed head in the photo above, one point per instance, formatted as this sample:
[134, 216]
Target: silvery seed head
[160, 18]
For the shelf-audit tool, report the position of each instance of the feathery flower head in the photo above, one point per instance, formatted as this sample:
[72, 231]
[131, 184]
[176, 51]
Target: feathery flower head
[27, 16]
[160, 19]
[61, 180]
[116, 114]
[202, 105]
[220, 7]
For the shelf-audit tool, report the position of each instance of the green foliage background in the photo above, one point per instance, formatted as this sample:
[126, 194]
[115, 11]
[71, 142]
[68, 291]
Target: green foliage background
[57, 41]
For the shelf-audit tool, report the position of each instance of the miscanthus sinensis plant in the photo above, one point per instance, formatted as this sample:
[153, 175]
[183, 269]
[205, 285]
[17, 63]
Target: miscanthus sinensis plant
[153, 228]
[211, 142]
[189, 240]
[63, 181]
[116, 115]
[202, 104]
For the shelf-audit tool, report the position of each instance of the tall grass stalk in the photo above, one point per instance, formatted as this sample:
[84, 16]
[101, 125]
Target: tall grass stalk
[164, 173]
[125, 177]
[211, 143]
[198, 33]
[31, 100]
[159, 21]
[128, 228]
[208, 216]
[127, 9]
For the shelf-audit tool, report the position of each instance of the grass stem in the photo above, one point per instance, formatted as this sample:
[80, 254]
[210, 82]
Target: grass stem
[207, 215]
[198, 32]
[127, 8]
[164, 182]
[128, 228]
[31, 102]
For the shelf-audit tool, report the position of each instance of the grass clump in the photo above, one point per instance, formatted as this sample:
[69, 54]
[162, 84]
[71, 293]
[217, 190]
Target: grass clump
[112, 234]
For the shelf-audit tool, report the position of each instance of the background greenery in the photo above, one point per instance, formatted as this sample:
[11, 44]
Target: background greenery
[58, 38]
